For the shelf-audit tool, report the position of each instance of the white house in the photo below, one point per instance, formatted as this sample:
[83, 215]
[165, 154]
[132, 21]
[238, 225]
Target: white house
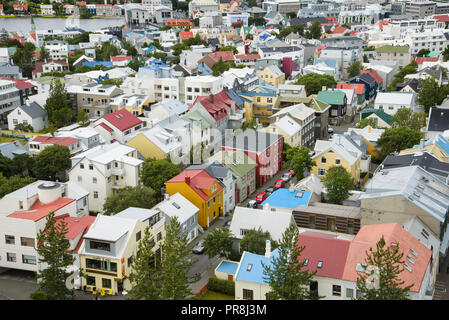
[105, 168]
[32, 114]
[39, 143]
[390, 102]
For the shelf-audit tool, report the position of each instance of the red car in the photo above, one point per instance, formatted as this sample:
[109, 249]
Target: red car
[279, 184]
[292, 173]
[261, 196]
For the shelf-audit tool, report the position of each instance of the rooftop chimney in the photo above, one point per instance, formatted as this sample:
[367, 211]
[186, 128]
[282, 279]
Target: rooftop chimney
[211, 98]
[421, 143]
[187, 179]
[267, 248]
[166, 196]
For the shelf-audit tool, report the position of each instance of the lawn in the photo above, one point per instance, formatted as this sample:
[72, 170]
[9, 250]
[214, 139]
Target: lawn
[10, 139]
[212, 295]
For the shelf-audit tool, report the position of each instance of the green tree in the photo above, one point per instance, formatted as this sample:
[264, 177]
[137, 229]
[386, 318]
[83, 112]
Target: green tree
[23, 127]
[13, 183]
[82, 118]
[135, 64]
[53, 249]
[430, 94]
[314, 31]
[221, 66]
[286, 274]
[23, 57]
[106, 51]
[381, 278]
[44, 54]
[366, 122]
[156, 172]
[218, 242]
[7, 166]
[51, 163]
[139, 197]
[254, 241]
[300, 160]
[445, 54]
[338, 182]
[145, 275]
[399, 77]
[23, 164]
[423, 52]
[354, 68]
[175, 264]
[397, 139]
[314, 82]
[57, 105]
[229, 48]
[405, 117]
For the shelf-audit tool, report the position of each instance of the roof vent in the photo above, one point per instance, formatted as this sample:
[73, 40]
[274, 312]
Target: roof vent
[249, 267]
[174, 204]
[306, 262]
[414, 252]
[410, 269]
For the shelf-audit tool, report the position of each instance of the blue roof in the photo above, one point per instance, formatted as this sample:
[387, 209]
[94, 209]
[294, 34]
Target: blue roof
[255, 274]
[12, 149]
[255, 94]
[330, 63]
[228, 267]
[283, 197]
[236, 98]
[264, 36]
[98, 63]
[440, 141]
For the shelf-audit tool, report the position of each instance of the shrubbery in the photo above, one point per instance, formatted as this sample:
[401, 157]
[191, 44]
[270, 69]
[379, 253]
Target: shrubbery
[222, 286]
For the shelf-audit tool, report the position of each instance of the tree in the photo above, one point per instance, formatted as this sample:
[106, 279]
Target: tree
[23, 164]
[135, 64]
[83, 118]
[44, 54]
[405, 117]
[23, 127]
[52, 162]
[445, 54]
[285, 274]
[381, 279]
[314, 82]
[7, 166]
[13, 183]
[254, 241]
[397, 139]
[399, 77]
[423, 52]
[139, 196]
[430, 94]
[23, 57]
[175, 264]
[229, 48]
[156, 172]
[300, 160]
[366, 122]
[314, 31]
[145, 276]
[218, 242]
[221, 66]
[57, 105]
[354, 68]
[106, 51]
[338, 182]
[53, 249]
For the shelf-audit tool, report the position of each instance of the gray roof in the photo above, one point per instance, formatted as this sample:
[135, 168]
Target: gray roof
[252, 140]
[281, 49]
[438, 120]
[34, 110]
[12, 149]
[215, 169]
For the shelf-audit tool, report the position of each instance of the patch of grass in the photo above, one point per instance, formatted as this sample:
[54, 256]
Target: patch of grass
[11, 139]
[212, 295]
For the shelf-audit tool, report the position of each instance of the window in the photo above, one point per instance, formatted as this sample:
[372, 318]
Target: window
[82, 166]
[358, 294]
[106, 283]
[96, 245]
[159, 236]
[321, 172]
[331, 224]
[248, 294]
[101, 265]
[90, 281]
[213, 200]
[130, 261]
[306, 262]
[27, 242]
[10, 239]
[95, 194]
[91, 167]
[11, 257]
[337, 161]
[323, 159]
[336, 290]
[94, 180]
[26, 259]
[312, 222]
[320, 264]
[21, 204]
[138, 235]
[214, 214]
[349, 293]
[80, 179]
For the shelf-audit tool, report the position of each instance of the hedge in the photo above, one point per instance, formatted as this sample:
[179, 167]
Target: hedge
[222, 286]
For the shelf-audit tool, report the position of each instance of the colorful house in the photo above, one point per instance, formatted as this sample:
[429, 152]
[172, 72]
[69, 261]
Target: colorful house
[336, 99]
[200, 188]
[259, 105]
[438, 147]
[359, 90]
[382, 119]
[272, 74]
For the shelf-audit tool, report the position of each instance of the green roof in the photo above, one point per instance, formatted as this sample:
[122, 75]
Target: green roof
[314, 103]
[380, 113]
[332, 97]
[244, 165]
[432, 54]
[196, 116]
[390, 48]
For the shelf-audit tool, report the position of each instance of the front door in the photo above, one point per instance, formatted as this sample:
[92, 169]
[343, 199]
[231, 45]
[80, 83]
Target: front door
[119, 286]
[313, 289]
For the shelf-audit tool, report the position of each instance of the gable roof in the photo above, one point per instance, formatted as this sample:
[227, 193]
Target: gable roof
[61, 141]
[241, 141]
[373, 74]
[199, 179]
[254, 273]
[237, 161]
[122, 119]
[218, 105]
[34, 110]
[359, 87]
[378, 112]
[12, 149]
[184, 35]
[364, 77]
[332, 97]
[40, 210]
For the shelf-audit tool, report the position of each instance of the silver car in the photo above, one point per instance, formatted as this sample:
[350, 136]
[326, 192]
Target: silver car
[199, 247]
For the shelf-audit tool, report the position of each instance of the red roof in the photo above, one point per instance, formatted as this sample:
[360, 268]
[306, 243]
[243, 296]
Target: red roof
[24, 6]
[81, 3]
[339, 30]
[224, 55]
[359, 87]
[39, 210]
[105, 126]
[381, 24]
[442, 18]
[326, 248]
[253, 56]
[184, 35]
[319, 48]
[331, 19]
[33, 35]
[373, 74]
[199, 179]
[39, 65]
[420, 60]
[217, 105]
[20, 84]
[1, 6]
[178, 22]
[122, 119]
[75, 225]
[120, 58]
[60, 141]
[20, 39]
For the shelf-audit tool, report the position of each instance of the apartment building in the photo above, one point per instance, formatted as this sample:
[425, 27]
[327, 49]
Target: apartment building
[57, 49]
[9, 100]
[420, 9]
[434, 40]
[196, 86]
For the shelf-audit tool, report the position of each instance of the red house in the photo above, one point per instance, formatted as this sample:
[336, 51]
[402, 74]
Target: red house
[264, 148]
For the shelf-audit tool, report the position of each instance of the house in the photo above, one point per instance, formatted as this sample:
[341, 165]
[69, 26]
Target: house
[206, 63]
[121, 61]
[12, 149]
[104, 169]
[413, 86]
[437, 146]
[290, 198]
[398, 194]
[359, 91]
[336, 99]
[186, 212]
[260, 105]
[57, 49]
[272, 74]
[39, 143]
[89, 136]
[296, 124]
[264, 148]
[399, 54]
[370, 135]
[437, 122]
[47, 10]
[225, 177]
[26, 89]
[32, 114]
[369, 82]
[382, 119]
[391, 102]
[109, 246]
[118, 126]
[321, 115]
[351, 101]
[10, 70]
[200, 188]
[50, 66]
[243, 168]
[9, 100]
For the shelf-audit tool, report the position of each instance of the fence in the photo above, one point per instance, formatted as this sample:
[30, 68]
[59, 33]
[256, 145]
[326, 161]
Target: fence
[202, 290]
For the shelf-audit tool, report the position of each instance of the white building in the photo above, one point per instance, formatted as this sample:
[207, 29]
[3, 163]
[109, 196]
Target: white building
[434, 40]
[201, 86]
[390, 102]
[32, 114]
[39, 143]
[104, 169]
[57, 49]
[9, 99]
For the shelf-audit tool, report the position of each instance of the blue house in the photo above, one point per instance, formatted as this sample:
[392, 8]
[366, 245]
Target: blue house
[285, 198]
[369, 82]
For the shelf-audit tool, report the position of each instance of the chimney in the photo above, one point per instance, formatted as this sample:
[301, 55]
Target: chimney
[421, 143]
[166, 196]
[267, 248]
[187, 179]
[291, 188]
[266, 207]
[323, 88]
[211, 98]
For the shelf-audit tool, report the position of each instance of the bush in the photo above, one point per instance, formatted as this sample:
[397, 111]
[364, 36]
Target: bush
[38, 295]
[222, 286]
[235, 255]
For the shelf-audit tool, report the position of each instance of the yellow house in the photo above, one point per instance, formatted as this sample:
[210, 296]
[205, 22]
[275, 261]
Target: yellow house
[106, 255]
[329, 154]
[200, 188]
[438, 147]
[133, 103]
[259, 105]
[272, 74]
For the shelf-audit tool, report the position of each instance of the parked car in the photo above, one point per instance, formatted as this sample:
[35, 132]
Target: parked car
[261, 196]
[292, 172]
[199, 247]
[279, 184]
[286, 177]
[330, 130]
[252, 204]
[269, 190]
[228, 224]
